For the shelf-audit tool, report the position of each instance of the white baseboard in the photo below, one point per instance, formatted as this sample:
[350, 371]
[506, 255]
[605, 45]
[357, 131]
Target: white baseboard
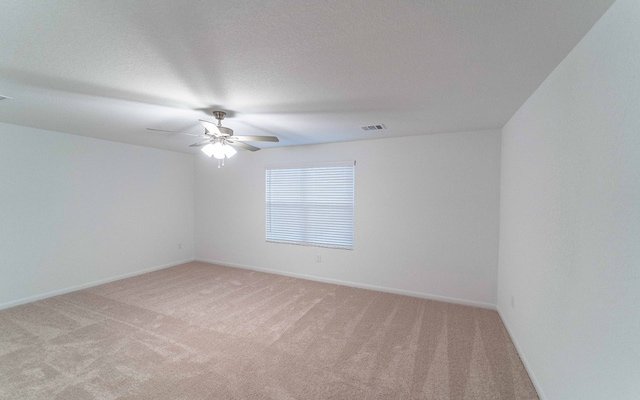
[355, 284]
[526, 364]
[87, 285]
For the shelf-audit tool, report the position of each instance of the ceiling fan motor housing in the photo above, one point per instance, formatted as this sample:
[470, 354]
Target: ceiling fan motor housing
[225, 131]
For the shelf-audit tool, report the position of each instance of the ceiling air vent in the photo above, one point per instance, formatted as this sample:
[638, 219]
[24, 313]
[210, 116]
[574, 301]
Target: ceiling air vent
[373, 127]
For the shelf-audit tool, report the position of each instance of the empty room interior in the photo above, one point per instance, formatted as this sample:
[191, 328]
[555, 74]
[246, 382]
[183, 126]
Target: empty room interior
[320, 200]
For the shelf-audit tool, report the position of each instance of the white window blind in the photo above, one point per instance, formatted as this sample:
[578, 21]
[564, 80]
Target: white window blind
[311, 205]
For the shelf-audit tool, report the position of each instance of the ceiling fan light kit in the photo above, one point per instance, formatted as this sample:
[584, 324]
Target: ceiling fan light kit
[219, 151]
[211, 149]
[220, 142]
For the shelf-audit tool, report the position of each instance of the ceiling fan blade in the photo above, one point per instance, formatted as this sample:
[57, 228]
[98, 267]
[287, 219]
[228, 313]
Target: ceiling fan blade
[200, 143]
[177, 133]
[242, 145]
[256, 138]
[211, 127]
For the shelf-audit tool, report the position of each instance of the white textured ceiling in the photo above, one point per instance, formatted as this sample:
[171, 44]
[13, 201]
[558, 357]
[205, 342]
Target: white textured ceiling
[306, 71]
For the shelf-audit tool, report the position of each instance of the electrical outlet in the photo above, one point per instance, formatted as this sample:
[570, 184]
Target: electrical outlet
[512, 302]
[318, 258]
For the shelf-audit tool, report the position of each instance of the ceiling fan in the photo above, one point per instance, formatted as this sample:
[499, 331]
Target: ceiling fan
[220, 141]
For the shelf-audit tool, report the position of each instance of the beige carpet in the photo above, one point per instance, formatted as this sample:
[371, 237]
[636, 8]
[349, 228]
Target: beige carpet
[200, 331]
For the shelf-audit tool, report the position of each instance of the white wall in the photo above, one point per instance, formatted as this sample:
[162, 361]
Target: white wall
[570, 218]
[75, 211]
[426, 217]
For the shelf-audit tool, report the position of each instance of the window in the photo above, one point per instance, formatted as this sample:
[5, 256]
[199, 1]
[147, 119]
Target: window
[311, 205]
